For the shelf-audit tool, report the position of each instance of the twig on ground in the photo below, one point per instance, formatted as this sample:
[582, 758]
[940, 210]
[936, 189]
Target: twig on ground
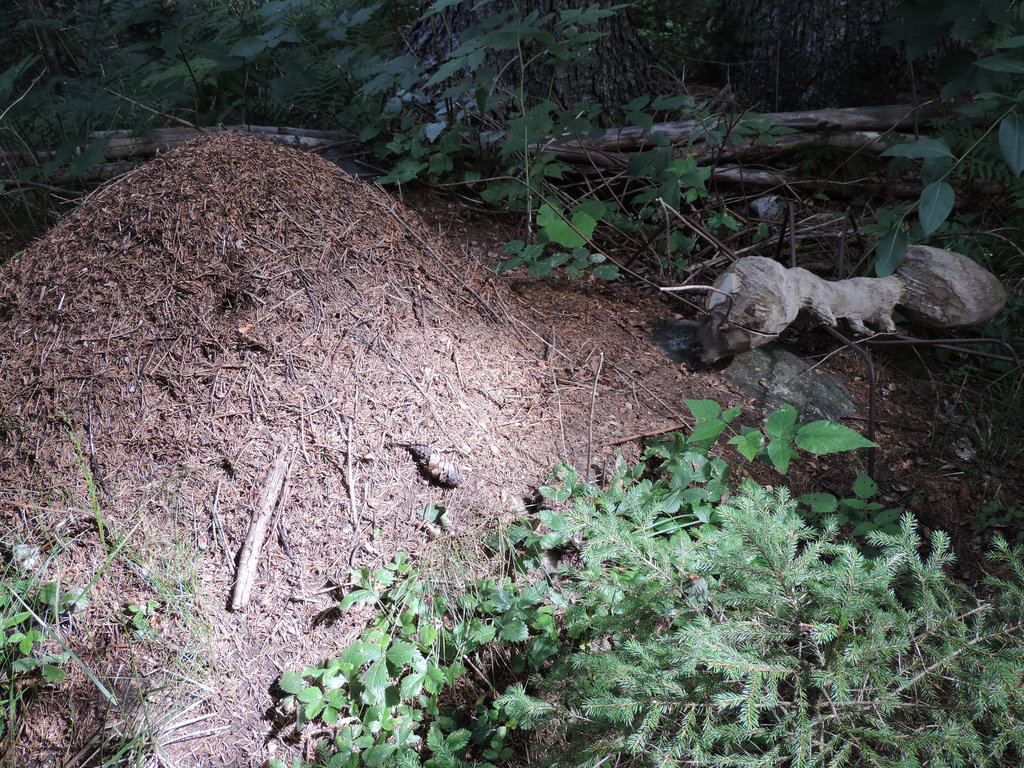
[643, 435]
[350, 479]
[218, 529]
[257, 534]
[423, 318]
[593, 402]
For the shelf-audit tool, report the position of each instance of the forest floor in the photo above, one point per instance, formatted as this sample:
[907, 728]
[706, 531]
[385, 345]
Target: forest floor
[233, 300]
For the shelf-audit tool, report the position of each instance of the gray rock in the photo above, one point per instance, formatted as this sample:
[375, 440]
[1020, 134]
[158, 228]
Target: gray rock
[775, 376]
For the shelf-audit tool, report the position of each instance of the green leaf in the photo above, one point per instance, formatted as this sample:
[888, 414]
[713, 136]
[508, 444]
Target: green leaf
[558, 229]
[292, 682]
[375, 679]
[781, 452]
[864, 487]
[704, 410]
[820, 503]
[1011, 141]
[919, 149]
[821, 437]
[356, 597]
[433, 130]
[248, 47]
[400, 653]
[935, 205]
[781, 422]
[748, 445]
[890, 251]
[53, 674]
[706, 432]
[514, 631]
[311, 695]
[606, 272]
[1000, 63]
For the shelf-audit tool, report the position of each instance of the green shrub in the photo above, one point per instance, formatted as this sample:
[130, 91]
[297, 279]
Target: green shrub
[758, 641]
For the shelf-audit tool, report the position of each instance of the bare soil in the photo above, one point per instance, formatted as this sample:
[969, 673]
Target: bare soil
[234, 297]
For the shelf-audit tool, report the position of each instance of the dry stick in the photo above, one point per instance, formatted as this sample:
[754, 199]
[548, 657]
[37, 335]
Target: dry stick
[218, 529]
[593, 402]
[351, 479]
[644, 435]
[558, 394]
[423, 318]
[257, 534]
[186, 123]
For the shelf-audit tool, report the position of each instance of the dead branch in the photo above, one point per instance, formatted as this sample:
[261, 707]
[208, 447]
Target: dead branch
[894, 117]
[124, 145]
[249, 555]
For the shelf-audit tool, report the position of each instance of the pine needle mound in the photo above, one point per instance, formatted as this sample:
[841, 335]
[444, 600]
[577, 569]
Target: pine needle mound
[229, 297]
[233, 296]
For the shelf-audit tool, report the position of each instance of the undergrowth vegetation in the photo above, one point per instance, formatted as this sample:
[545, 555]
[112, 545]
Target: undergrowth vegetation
[678, 618]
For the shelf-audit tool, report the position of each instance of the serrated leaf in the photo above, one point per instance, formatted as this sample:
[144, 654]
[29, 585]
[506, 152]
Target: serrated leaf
[822, 437]
[705, 410]
[53, 674]
[514, 631]
[458, 740]
[310, 695]
[780, 452]
[292, 682]
[781, 422]
[1011, 141]
[400, 653]
[748, 445]
[606, 272]
[375, 680]
[412, 685]
[558, 229]
[864, 487]
[935, 205]
[433, 130]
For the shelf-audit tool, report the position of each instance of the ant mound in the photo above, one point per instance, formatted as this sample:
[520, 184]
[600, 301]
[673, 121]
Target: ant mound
[230, 308]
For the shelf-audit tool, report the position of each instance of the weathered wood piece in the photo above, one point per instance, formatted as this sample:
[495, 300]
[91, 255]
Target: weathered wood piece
[943, 289]
[898, 116]
[249, 555]
[932, 287]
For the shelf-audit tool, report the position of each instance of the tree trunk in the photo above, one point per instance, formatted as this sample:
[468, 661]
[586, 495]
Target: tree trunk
[619, 66]
[811, 54]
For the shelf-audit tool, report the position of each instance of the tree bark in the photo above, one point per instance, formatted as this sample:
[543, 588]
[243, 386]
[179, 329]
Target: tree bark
[620, 65]
[810, 54]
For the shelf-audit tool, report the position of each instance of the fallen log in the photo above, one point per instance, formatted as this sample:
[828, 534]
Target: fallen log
[124, 145]
[852, 119]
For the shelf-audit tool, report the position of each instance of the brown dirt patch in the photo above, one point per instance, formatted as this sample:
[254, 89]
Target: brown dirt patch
[234, 296]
